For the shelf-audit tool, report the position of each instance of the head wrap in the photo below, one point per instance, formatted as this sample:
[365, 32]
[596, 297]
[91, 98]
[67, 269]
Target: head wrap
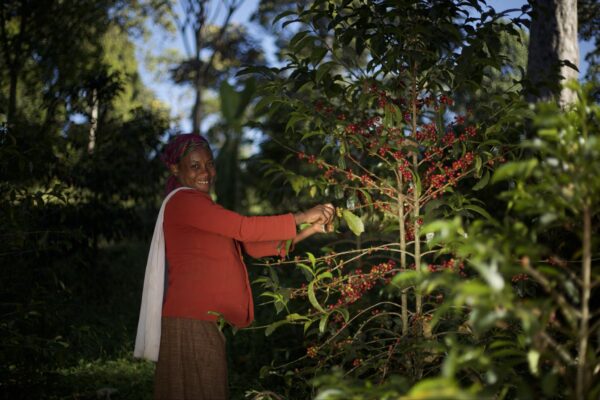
[177, 148]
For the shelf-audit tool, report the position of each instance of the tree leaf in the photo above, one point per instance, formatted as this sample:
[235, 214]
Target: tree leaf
[230, 101]
[324, 69]
[274, 326]
[483, 181]
[515, 169]
[479, 210]
[323, 323]
[354, 222]
[312, 298]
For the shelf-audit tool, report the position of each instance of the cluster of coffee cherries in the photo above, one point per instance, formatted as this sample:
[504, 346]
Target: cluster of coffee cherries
[360, 282]
[449, 265]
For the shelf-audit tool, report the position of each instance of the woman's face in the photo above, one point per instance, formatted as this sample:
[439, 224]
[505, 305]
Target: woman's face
[196, 169]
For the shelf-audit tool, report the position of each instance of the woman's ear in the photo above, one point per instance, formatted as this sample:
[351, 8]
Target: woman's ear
[174, 169]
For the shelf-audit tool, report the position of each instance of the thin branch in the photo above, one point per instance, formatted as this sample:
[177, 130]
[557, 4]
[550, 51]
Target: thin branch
[560, 350]
[569, 312]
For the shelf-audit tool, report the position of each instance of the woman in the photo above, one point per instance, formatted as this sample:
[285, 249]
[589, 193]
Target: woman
[207, 277]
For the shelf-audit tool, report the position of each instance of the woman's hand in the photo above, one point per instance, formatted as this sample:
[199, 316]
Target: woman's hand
[311, 230]
[321, 214]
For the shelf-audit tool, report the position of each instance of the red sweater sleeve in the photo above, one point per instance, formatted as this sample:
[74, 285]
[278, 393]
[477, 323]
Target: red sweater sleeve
[196, 209]
[264, 249]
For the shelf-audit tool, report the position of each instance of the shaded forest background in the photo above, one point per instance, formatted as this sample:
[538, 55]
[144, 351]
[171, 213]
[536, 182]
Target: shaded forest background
[81, 183]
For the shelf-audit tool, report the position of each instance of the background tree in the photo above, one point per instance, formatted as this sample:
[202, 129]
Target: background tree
[215, 48]
[589, 29]
[553, 55]
[66, 213]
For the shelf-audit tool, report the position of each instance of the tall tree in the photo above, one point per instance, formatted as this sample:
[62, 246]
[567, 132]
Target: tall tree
[589, 29]
[214, 47]
[57, 202]
[553, 50]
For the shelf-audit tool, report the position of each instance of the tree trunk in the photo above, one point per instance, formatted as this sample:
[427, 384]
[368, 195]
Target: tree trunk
[199, 76]
[12, 97]
[583, 372]
[197, 110]
[13, 47]
[553, 50]
[93, 122]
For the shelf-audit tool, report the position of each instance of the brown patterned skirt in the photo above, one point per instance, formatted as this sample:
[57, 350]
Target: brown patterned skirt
[192, 362]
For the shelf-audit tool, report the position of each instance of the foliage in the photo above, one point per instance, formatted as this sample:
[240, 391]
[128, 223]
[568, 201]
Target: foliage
[120, 378]
[430, 298]
[63, 206]
[215, 49]
[234, 109]
[447, 277]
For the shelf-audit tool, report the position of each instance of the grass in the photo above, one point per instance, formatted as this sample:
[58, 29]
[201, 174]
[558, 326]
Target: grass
[122, 378]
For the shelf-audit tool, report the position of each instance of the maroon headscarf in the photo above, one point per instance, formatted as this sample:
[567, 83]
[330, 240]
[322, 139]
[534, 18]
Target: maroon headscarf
[175, 150]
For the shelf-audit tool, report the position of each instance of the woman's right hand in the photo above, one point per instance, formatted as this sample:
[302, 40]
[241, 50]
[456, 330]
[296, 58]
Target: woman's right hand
[321, 214]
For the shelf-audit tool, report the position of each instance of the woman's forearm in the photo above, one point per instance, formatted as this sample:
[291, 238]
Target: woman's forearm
[311, 230]
[305, 233]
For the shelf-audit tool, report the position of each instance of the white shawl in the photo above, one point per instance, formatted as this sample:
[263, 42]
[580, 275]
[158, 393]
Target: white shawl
[147, 340]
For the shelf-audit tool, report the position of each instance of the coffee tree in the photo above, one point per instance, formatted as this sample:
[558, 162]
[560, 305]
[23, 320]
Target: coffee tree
[370, 107]
[530, 329]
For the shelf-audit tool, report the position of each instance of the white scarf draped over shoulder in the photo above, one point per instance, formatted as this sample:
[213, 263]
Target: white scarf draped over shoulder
[147, 340]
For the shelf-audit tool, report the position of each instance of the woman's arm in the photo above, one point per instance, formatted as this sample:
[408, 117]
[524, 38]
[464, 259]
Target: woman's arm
[308, 232]
[278, 247]
[195, 209]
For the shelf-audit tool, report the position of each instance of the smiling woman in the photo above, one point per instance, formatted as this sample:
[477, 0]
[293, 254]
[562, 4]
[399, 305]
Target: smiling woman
[196, 169]
[190, 160]
[207, 278]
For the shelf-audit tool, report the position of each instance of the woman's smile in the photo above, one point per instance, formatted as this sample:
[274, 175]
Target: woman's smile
[196, 169]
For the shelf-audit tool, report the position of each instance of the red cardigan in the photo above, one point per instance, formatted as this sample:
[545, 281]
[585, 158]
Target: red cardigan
[206, 269]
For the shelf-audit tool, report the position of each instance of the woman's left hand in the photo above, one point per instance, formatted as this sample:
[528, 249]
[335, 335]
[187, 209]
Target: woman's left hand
[322, 228]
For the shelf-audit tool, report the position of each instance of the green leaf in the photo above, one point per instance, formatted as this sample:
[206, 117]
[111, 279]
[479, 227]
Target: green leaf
[296, 317]
[312, 258]
[312, 298]
[298, 183]
[550, 134]
[323, 323]
[437, 388]
[274, 326]
[515, 169]
[295, 118]
[481, 211]
[283, 15]
[307, 324]
[354, 222]
[405, 278]
[344, 313]
[288, 245]
[310, 134]
[478, 164]
[308, 271]
[324, 275]
[230, 101]
[298, 37]
[263, 102]
[483, 181]
[324, 69]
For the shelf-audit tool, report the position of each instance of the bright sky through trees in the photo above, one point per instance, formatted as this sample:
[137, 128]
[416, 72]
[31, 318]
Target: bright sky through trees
[180, 98]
